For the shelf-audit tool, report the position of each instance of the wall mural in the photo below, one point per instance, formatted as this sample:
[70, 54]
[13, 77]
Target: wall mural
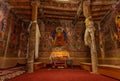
[79, 37]
[14, 40]
[111, 40]
[117, 23]
[4, 10]
[70, 34]
[63, 35]
[118, 26]
[23, 43]
[107, 37]
[59, 37]
[47, 39]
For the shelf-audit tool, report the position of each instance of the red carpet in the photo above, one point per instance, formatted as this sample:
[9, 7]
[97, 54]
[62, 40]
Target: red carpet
[61, 75]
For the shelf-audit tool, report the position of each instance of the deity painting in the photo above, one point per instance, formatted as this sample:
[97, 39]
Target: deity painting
[1, 22]
[59, 37]
[118, 25]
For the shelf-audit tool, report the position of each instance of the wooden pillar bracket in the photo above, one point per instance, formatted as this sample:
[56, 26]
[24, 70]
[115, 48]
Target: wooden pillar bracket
[79, 11]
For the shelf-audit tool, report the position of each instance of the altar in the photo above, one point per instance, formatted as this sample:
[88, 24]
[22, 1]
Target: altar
[59, 58]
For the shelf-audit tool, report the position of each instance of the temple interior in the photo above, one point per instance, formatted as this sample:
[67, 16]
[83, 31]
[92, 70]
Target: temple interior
[59, 35]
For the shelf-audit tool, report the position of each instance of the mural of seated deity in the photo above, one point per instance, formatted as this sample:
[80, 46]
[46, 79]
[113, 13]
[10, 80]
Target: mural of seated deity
[118, 25]
[59, 37]
[1, 23]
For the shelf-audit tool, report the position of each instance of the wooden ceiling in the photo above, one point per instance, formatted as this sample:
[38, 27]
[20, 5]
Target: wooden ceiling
[53, 9]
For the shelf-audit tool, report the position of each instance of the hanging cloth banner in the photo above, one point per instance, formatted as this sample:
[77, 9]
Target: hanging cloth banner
[37, 41]
[37, 38]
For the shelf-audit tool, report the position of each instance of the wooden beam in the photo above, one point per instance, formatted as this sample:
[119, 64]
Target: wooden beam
[58, 17]
[21, 10]
[79, 12]
[45, 7]
[24, 12]
[49, 9]
[81, 19]
[105, 16]
[57, 1]
[20, 7]
[71, 18]
[47, 12]
[58, 8]
[101, 9]
[20, 14]
[95, 3]
[42, 2]
[58, 13]
[18, 1]
[98, 14]
[101, 3]
[94, 10]
[24, 17]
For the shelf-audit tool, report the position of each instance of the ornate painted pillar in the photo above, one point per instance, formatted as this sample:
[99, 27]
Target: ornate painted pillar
[89, 38]
[32, 38]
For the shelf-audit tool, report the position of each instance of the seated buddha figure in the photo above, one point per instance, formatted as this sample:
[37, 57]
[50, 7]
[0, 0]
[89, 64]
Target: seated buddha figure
[59, 37]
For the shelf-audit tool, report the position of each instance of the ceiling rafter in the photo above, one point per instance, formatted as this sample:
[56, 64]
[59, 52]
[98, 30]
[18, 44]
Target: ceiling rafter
[58, 10]
[58, 16]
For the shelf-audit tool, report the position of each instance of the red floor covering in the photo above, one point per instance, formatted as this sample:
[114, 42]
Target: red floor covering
[61, 75]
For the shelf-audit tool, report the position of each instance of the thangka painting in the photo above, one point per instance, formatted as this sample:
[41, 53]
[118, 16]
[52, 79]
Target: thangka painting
[117, 20]
[118, 25]
[118, 29]
[3, 16]
[59, 37]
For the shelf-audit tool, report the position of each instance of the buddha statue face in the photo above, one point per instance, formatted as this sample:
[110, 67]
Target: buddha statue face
[59, 31]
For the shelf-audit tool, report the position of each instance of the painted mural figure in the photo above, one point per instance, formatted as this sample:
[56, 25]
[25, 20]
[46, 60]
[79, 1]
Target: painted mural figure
[89, 32]
[59, 37]
[1, 22]
[1, 19]
[118, 25]
[69, 31]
